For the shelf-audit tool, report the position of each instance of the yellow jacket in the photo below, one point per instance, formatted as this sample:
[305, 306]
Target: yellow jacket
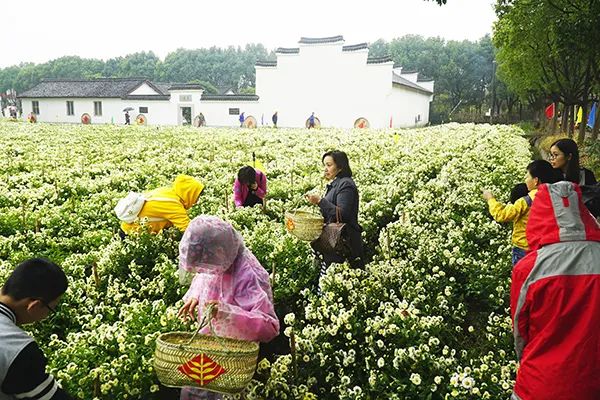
[184, 194]
[518, 213]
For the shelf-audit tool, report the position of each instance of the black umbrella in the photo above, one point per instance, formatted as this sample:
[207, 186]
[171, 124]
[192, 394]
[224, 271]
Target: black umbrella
[128, 109]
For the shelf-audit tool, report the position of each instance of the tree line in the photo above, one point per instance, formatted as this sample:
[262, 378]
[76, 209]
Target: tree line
[549, 52]
[542, 51]
[462, 70]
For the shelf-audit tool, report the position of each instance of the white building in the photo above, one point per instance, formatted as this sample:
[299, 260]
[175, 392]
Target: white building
[103, 101]
[339, 83]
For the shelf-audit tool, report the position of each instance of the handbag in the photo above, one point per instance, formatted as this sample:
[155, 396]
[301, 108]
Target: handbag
[333, 238]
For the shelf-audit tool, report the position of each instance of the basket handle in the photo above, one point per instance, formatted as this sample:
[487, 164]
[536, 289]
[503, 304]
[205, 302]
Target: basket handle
[206, 320]
[297, 202]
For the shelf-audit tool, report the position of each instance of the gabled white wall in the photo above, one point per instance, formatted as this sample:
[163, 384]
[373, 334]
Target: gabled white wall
[338, 86]
[144, 89]
[411, 77]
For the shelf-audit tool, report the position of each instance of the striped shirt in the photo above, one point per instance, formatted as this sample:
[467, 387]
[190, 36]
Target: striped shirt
[23, 365]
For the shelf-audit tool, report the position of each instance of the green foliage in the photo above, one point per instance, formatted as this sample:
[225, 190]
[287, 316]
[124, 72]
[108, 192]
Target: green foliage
[427, 318]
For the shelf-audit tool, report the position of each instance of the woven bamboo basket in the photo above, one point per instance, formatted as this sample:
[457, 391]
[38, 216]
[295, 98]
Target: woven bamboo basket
[212, 363]
[304, 225]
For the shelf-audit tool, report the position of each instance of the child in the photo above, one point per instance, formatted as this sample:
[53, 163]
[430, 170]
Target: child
[230, 279]
[538, 172]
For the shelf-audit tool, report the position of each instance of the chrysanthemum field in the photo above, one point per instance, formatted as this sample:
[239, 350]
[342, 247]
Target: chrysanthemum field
[428, 318]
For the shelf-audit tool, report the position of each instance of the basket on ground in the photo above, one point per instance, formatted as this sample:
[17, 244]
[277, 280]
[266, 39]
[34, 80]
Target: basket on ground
[212, 363]
[304, 225]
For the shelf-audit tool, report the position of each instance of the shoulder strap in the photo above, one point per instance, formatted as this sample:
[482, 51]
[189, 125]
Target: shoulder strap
[528, 200]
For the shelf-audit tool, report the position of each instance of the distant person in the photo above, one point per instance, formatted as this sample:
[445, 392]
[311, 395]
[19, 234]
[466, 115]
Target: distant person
[555, 300]
[242, 119]
[127, 118]
[538, 172]
[167, 206]
[274, 119]
[30, 294]
[564, 156]
[311, 121]
[201, 120]
[250, 187]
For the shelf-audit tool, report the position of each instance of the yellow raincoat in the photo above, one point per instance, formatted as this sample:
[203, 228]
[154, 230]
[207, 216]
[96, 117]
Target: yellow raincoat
[518, 213]
[171, 208]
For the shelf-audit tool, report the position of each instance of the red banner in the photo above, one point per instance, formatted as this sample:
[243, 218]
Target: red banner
[550, 111]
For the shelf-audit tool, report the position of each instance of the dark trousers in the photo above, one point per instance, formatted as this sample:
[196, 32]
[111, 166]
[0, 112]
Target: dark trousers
[252, 200]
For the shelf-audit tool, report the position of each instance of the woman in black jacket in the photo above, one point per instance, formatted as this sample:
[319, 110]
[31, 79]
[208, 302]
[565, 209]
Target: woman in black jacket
[341, 193]
[564, 157]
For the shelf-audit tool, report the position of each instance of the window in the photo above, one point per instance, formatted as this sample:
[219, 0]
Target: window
[185, 97]
[234, 111]
[143, 110]
[70, 108]
[98, 108]
[35, 107]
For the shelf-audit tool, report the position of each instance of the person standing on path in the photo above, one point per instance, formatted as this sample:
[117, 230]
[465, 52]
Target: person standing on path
[274, 119]
[311, 121]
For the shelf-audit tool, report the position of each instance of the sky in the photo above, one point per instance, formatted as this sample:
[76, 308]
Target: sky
[46, 30]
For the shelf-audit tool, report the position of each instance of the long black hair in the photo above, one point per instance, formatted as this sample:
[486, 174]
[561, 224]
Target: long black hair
[341, 161]
[569, 148]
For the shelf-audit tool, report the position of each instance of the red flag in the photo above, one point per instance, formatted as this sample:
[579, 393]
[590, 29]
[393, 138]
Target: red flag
[550, 111]
[390, 122]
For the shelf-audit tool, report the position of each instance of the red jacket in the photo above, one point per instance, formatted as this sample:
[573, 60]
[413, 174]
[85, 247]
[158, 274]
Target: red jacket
[555, 300]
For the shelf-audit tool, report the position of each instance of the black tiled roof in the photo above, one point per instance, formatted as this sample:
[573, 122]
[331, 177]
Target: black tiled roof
[104, 87]
[354, 47]
[101, 87]
[186, 86]
[424, 79]
[409, 71]
[288, 50]
[163, 87]
[266, 63]
[331, 39]
[229, 97]
[397, 79]
[379, 60]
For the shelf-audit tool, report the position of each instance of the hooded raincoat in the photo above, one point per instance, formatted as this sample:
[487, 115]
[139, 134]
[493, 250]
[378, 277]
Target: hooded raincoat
[228, 273]
[555, 300]
[171, 209]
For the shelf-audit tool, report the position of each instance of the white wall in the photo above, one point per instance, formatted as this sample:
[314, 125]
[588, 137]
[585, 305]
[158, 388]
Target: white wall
[160, 112]
[144, 89]
[405, 105]
[338, 86]
[217, 112]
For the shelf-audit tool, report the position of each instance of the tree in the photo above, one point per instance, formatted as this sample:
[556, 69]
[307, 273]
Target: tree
[550, 48]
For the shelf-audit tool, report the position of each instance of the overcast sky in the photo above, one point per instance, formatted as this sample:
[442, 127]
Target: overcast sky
[48, 29]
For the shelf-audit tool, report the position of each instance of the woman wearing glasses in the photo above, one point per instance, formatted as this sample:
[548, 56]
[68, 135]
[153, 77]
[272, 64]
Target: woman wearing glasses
[564, 157]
